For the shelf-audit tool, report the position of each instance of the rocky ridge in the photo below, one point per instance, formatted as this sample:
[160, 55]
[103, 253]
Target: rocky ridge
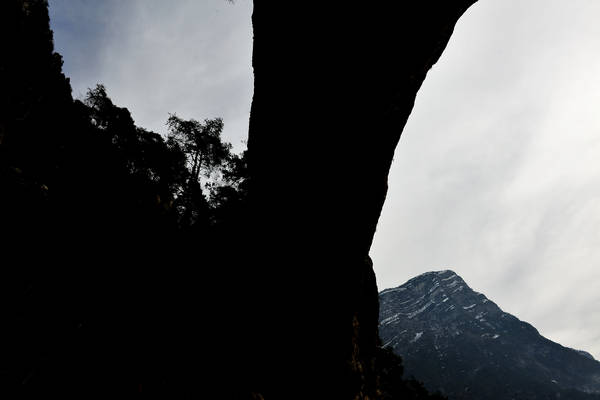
[461, 343]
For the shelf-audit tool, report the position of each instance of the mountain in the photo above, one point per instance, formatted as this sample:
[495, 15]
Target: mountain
[459, 342]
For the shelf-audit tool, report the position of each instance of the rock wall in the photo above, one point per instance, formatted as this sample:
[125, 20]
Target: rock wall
[334, 86]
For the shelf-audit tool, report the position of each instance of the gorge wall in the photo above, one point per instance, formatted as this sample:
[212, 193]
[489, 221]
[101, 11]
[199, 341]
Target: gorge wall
[334, 86]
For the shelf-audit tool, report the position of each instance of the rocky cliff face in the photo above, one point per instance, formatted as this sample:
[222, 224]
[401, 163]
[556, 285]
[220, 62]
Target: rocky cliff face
[334, 86]
[92, 299]
[459, 342]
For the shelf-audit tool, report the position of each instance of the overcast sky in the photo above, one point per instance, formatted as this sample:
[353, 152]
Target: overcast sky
[158, 57]
[497, 175]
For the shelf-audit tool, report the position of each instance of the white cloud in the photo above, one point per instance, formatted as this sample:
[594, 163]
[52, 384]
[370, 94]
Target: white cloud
[496, 175]
[188, 57]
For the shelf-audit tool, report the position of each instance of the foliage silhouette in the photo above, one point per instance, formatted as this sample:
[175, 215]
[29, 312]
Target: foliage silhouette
[105, 272]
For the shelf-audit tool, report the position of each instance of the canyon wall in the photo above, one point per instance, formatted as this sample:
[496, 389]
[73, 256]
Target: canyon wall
[334, 86]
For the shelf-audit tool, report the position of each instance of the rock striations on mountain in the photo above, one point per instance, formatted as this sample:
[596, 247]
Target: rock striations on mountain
[459, 342]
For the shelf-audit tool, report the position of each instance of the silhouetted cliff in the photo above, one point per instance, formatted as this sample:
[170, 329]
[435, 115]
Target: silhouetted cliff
[112, 249]
[334, 86]
[107, 299]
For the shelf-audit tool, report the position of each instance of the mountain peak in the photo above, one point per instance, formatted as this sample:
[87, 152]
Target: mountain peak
[441, 273]
[433, 276]
[436, 290]
[455, 339]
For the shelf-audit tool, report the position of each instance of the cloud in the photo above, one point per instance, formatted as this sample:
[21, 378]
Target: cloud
[496, 174]
[155, 57]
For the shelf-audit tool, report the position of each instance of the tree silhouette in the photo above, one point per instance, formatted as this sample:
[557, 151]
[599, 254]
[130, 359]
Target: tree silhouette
[201, 143]
[213, 170]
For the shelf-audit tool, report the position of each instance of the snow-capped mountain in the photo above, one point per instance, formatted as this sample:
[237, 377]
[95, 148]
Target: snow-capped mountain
[459, 342]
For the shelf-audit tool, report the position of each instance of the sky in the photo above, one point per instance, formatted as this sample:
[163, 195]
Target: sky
[497, 174]
[156, 57]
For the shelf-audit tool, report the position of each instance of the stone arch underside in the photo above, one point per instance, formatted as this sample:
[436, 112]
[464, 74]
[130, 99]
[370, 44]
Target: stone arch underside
[334, 86]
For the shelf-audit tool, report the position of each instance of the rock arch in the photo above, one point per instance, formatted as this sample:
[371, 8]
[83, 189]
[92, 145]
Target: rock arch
[334, 86]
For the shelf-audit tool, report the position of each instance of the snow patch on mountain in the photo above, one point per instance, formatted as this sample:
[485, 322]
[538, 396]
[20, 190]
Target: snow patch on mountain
[417, 337]
[420, 310]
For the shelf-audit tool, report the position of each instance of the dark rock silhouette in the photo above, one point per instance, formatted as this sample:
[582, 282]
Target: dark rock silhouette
[334, 86]
[107, 277]
[107, 300]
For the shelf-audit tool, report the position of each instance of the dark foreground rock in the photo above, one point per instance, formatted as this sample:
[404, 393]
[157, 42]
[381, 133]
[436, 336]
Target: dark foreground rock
[334, 86]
